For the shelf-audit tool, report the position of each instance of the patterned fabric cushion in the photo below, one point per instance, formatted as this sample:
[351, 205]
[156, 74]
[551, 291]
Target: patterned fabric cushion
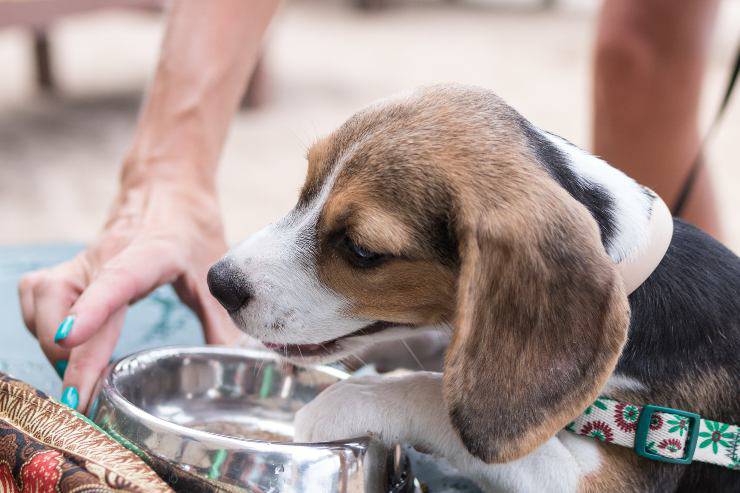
[46, 446]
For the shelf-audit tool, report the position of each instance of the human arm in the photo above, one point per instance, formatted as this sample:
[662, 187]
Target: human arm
[165, 225]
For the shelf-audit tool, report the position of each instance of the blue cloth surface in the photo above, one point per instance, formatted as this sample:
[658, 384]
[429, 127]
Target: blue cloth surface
[158, 320]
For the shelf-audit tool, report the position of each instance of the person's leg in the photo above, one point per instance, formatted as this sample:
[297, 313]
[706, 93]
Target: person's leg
[650, 57]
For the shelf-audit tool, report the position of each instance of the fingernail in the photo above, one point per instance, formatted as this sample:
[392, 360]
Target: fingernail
[70, 397]
[61, 366]
[64, 328]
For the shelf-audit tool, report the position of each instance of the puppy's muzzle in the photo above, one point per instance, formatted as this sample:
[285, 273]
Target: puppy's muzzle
[228, 285]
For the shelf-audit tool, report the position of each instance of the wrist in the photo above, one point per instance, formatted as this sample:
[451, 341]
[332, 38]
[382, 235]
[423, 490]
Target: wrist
[153, 201]
[175, 147]
[175, 172]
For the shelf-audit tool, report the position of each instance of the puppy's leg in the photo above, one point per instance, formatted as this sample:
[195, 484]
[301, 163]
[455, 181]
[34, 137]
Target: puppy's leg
[410, 409]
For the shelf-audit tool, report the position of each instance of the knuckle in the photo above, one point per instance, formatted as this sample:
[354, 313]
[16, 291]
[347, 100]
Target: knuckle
[81, 366]
[105, 293]
[27, 281]
[122, 276]
[49, 285]
[41, 287]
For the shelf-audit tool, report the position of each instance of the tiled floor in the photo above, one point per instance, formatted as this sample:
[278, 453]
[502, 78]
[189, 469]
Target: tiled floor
[59, 157]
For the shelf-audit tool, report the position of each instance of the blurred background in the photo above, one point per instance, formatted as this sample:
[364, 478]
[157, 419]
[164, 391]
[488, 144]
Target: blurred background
[72, 75]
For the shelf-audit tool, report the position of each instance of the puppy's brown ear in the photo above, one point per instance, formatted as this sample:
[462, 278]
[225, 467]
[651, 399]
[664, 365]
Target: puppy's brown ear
[541, 319]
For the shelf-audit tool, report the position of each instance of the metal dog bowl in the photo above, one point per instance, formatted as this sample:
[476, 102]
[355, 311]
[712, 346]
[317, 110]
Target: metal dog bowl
[213, 418]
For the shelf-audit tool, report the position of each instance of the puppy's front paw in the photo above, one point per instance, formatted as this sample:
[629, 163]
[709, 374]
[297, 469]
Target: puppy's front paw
[348, 409]
[393, 409]
[410, 409]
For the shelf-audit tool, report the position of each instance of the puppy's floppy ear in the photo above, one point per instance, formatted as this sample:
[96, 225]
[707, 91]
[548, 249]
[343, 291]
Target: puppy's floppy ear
[540, 321]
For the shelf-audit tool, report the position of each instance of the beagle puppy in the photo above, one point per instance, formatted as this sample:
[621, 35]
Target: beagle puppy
[446, 210]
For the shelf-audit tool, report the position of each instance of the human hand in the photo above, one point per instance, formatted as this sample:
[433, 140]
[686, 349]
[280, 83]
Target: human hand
[158, 233]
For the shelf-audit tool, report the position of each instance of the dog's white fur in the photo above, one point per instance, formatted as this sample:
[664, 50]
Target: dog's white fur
[410, 409]
[633, 200]
[291, 306]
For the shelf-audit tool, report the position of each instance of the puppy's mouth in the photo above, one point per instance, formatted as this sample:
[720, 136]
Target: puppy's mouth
[326, 348]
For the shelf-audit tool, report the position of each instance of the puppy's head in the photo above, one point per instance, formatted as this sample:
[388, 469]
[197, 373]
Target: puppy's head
[433, 210]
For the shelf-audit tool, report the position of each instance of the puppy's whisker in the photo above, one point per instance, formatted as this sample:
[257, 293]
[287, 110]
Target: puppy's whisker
[354, 355]
[413, 355]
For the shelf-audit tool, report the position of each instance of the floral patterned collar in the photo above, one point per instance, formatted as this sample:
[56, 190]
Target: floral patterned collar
[659, 433]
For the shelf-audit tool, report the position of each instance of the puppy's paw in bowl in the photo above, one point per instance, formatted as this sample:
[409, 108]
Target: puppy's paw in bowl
[410, 409]
[348, 409]
[393, 409]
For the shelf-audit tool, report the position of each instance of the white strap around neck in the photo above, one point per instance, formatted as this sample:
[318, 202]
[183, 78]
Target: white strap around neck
[638, 266]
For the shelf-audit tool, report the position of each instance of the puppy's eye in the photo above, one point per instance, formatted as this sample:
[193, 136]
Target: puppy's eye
[361, 257]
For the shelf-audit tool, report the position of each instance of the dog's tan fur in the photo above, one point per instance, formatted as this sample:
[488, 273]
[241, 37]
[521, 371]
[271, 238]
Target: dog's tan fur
[541, 318]
[539, 315]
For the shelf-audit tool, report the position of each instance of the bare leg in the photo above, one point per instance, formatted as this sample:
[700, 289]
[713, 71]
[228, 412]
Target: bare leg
[650, 57]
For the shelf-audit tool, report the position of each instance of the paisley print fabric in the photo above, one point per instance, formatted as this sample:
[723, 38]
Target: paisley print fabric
[46, 446]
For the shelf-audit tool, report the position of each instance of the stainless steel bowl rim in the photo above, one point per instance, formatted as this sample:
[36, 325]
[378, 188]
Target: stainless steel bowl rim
[109, 386]
[201, 460]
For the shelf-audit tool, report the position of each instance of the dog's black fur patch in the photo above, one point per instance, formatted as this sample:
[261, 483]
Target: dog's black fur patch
[595, 197]
[685, 315]
[685, 325]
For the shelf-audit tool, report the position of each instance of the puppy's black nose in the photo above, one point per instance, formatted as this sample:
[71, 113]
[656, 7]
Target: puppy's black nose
[228, 285]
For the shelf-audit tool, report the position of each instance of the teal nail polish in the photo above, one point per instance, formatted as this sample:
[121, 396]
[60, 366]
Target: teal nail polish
[70, 397]
[64, 328]
[61, 366]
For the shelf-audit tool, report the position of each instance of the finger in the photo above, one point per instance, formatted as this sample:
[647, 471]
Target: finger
[88, 360]
[53, 296]
[125, 279]
[26, 298]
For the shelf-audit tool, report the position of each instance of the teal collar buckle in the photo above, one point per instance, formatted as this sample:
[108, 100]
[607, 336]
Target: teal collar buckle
[643, 426]
[659, 433]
